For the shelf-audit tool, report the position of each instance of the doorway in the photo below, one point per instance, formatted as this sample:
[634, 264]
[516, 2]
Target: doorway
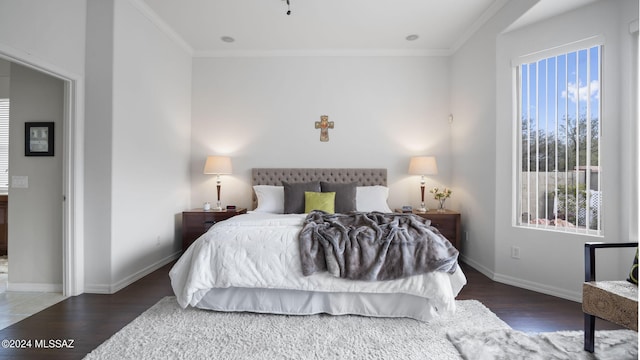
[35, 180]
[69, 199]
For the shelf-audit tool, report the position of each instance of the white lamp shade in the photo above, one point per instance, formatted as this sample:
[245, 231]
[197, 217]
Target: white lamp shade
[423, 165]
[217, 165]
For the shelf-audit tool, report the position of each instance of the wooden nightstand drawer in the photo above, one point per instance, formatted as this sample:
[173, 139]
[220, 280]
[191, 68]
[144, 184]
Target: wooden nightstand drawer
[446, 225]
[197, 222]
[447, 222]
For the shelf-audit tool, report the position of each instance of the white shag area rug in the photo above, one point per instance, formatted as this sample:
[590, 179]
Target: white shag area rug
[166, 331]
[566, 345]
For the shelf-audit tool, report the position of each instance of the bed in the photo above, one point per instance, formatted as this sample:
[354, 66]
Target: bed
[251, 262]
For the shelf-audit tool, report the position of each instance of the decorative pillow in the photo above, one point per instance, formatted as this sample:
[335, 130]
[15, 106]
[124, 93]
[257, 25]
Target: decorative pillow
[324, 201]
[633, 274]
[372, 198]
[294, 195]
[345, 195]
[270, 198]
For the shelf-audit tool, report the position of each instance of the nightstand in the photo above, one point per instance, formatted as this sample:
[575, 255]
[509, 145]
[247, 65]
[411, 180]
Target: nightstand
[197, 221]
[447, 222]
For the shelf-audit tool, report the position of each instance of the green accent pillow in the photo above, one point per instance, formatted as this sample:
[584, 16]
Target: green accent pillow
[319, 201]
[633, 274]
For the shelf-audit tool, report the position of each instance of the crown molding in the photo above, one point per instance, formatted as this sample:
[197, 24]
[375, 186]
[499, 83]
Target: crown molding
[324, 53]
[162, 25]
[480, 21]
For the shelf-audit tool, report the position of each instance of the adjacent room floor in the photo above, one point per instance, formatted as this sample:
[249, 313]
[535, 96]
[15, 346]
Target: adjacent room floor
[16, 306]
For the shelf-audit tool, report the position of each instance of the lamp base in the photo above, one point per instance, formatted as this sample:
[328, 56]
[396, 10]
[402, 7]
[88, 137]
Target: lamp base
[422, 208]
[218, 206]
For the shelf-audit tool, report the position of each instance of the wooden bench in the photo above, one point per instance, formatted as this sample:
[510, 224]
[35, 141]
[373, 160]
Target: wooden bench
[615, 301]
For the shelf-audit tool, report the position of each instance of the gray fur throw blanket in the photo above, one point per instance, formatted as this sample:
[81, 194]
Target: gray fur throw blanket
[373, 246]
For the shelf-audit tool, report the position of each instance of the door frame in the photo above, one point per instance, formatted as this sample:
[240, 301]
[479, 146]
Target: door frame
[73, 167]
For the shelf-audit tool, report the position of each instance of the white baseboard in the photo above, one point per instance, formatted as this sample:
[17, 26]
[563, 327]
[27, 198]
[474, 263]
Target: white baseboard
[476, 265]
[119, 285]
[521, 283]
[97, 289]
[34, 287]
[538, 287]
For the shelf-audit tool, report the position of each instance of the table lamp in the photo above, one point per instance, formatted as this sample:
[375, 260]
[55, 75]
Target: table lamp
[218, 165]
[423, 165]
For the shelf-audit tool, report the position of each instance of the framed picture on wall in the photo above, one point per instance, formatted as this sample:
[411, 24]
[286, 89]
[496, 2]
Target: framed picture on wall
[38, 139]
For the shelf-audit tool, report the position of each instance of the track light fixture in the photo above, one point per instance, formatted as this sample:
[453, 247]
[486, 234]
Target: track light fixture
[288, 8]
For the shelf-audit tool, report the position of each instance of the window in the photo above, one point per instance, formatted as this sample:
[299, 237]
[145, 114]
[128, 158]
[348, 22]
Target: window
[4, 144]
[558, 165]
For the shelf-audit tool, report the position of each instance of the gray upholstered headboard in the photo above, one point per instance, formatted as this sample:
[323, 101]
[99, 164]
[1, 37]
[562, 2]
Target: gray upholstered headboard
[275, 176]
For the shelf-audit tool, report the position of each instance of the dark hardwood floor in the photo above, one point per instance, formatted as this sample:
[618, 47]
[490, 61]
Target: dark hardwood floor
[526, 310]
[91, 319]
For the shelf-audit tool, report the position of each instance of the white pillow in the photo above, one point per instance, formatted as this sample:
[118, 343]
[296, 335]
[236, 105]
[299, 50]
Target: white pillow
[270, 198]
[372, 198]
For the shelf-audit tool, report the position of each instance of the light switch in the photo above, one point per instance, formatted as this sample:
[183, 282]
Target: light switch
[21, 182]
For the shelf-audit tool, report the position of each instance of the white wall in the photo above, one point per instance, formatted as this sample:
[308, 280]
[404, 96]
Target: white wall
[35, 216]
[552, 262]
[50, 31]
[151, 144]
[98, 155]
[261, 111]
[138, 96]
[473, 104]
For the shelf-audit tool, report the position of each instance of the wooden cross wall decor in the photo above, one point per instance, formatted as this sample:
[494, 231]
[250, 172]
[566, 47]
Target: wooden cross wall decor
[324, 125]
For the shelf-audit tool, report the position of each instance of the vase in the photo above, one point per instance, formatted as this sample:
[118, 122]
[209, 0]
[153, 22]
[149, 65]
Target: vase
[441, 205]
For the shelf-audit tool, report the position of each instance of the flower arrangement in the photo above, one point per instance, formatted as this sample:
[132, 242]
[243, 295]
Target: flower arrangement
[438, 195]
[441, 196]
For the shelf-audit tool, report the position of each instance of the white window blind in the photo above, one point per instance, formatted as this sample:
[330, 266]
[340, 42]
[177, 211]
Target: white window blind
[4, 144]
[559, 171]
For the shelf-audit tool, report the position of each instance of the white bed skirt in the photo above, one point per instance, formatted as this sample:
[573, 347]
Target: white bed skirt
[294, 302]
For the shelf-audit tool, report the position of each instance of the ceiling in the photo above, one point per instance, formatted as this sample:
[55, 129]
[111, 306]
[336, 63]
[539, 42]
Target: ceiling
[329, 26]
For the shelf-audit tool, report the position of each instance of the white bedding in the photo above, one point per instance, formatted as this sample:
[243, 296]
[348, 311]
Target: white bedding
[260, 250]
